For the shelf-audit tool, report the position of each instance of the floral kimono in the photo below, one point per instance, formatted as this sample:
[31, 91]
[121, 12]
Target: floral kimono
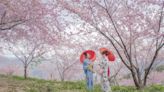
[104, 76]
[89, 74]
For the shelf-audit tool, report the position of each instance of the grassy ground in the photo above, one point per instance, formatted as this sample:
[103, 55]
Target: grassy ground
[18, 84]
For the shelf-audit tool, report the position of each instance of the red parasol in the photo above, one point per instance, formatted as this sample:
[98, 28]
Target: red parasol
[91, 53]
[111, 56]
[103, 49]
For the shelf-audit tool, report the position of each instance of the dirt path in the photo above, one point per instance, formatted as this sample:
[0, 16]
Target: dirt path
[3, 85]
[7, 85]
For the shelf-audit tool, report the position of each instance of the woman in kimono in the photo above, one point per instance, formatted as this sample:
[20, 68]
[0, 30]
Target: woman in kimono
[88, 70]
[104, 71]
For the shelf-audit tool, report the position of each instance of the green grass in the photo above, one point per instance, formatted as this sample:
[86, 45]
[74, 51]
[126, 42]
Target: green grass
[19, 84]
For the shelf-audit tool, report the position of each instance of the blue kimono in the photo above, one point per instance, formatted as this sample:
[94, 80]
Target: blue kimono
[88, 73]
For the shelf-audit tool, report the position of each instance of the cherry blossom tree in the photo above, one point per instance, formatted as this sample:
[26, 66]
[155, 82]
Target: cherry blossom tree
[134, 31]
[27, 50]
[65, 58]
[31, 28]
[25, 29]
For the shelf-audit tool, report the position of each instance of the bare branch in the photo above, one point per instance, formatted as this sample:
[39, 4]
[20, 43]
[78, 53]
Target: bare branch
[9, 25]
[116, 73]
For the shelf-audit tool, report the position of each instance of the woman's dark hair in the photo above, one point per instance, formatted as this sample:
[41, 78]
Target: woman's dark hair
[85, 54]
[105, 52]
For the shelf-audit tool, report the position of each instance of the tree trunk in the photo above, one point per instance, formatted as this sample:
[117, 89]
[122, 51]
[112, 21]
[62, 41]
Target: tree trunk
[137, 79]
[25, 72]
[63, 79]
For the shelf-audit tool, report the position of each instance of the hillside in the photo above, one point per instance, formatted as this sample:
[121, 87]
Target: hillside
[18, 84]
